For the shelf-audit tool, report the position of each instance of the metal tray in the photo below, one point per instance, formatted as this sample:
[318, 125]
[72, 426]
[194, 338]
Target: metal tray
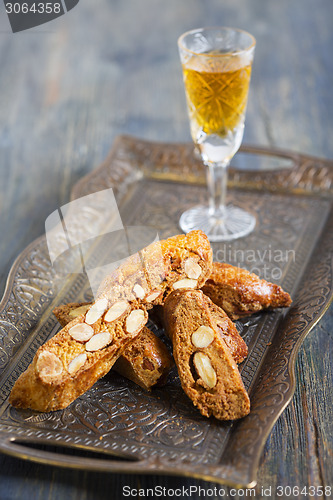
[118, 427]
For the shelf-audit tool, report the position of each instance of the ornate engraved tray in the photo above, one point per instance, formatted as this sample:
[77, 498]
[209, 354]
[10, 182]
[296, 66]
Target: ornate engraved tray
[118, 427]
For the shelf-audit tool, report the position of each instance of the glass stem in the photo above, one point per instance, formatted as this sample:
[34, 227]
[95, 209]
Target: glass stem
[217, 177]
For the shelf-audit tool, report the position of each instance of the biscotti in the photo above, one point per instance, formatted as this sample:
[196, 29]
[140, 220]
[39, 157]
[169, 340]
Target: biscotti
[241, 293]
[86, 349]
[75, 358]
[182, 261]
[146, 361]
[206, 368]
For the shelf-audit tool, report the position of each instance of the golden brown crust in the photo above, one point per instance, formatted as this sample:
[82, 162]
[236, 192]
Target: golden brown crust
[241, 293]
[228, 332]
[221, 393]
[146, 361]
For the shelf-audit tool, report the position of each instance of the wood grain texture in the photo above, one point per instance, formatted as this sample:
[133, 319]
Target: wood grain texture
[110, 67]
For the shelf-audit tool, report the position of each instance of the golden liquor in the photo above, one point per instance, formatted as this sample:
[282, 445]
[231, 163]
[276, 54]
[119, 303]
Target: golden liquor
[216, 95]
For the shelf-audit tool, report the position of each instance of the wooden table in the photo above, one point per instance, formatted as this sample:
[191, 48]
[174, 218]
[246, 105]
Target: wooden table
[69, 87]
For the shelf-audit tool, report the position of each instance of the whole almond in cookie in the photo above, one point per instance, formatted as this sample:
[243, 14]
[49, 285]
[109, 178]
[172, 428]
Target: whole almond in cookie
[96, 311]
[203, 336]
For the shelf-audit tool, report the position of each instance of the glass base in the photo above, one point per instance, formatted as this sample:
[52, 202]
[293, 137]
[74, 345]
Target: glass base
[234, 224]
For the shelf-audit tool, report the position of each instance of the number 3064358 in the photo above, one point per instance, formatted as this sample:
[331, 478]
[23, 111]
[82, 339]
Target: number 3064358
[35, 8]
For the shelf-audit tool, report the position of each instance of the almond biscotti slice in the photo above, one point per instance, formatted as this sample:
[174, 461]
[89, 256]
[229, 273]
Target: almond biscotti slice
[187, 262]
[182, 261]
[241, 293]
[70, 363]
[206, 368]
[146, 361]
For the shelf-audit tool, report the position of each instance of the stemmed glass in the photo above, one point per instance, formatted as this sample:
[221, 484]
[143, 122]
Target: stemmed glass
[217, 66]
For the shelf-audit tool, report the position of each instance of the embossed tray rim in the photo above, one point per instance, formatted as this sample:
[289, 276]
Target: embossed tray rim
[8, 444]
